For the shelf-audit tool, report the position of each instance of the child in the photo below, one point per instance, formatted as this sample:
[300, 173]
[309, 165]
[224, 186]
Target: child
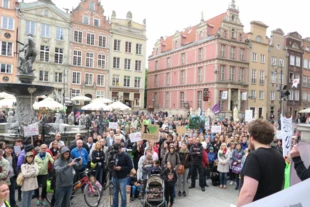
[154, 169]
[211, 156]
[170, 177]
[135, 184]
[96, 183]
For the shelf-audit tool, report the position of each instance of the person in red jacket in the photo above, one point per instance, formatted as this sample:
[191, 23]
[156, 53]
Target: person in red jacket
[205, 163]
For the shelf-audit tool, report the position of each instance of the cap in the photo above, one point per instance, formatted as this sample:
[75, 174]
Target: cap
[28, 147]
[211, 148]
[29, 154]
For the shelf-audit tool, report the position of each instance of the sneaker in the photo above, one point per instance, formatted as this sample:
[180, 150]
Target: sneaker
[179, 193]
[184, 193]
[44, 203]
[231, 182]
[38, 203]
[203, 189]
[236, 188]
[132, 198]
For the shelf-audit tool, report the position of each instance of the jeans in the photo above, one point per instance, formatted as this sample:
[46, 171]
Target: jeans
[63, 195]
[237, 180]
[119, 187]
[27, 197]
[169, 194]
[134, 189]
[182, 181]
[42, 179]
[194, 175]
[12, 191]
[99, 173]
[223, 178]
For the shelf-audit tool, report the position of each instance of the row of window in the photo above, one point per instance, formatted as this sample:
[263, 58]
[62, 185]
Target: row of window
[255, 57]
[306, 96]
[306, 64]
[128, 47]
[233, 53]
[77, 92]
[126, 82]
[89, 59]
[90, 39]
[260, 94]
[45, 30]
[261, 77]
[127, 64]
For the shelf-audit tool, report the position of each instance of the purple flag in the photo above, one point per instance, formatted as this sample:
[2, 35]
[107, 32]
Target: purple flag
[216, 109]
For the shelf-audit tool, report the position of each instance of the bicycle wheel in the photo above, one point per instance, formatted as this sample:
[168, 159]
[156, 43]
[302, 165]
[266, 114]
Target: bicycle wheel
[92, 195]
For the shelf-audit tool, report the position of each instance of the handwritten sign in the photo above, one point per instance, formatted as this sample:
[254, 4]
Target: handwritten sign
[181, 130]
[113, 125]
[216, 129]
[150, 132]
[135, 137]
[287, 132]
[207, 124]
[31, 130]
[248, 115]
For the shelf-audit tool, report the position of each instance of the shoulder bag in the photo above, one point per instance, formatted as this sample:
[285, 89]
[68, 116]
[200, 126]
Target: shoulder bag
[181, 167]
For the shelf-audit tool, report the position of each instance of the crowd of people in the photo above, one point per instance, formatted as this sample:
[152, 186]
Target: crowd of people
[222, 159]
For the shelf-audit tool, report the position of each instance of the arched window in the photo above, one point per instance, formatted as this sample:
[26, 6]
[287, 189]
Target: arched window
[92, 6]
[233, 17]
[233, 34]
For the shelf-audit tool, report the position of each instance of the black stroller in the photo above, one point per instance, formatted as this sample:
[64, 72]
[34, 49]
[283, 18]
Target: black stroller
[154, 192]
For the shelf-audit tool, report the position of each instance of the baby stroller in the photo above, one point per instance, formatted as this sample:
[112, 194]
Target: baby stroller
[215, 177]
[154, 192]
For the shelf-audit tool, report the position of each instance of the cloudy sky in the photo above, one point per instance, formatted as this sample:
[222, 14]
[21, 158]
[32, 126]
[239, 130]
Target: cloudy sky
[164, 17]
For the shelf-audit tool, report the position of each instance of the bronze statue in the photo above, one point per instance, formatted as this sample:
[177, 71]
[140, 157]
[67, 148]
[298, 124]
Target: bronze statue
[30, 54]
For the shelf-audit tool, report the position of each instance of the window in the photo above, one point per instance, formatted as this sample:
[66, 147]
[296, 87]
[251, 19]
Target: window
[6, 4]
[297, 76]
[89, 59]
[306, 64]
[253, 93]
[156, 80]
[99, 94]
[200, 35]
[308, 96]
[167, 99]
[292, 60]
[168, 62]
[96, 22]
[200, 53]
[30, 27]
[222, 73]
[183, 58]
[78, 36]
[272, 95]
[273, 77]
[126, 81]
[259, 38]
[85, 20]
[156, 65]
[43, 76]
[139, 49]
[261, 95]
[100, 80]
[138, 65]
[127, 64]
[253, 76]
[304, 96]
[116, 62]
[233, 34]
[273, 61]
[58, 77]
[101, 61]
[199, 74]
[89, 78]
[102, 41]
[232, 73]
[60, 33]
[199, 95]
[241, 74]
[261, 77]
[182, 99]
[7, 23]
[45, 30]
[7, 48]
[241, 54]
[175, 44]
[117, 45]
[167, 78]
[5, 68]
[297, 61]
[291, 96]
[115, 80]
[291, 77]
[137, 82]
[262, 58]
[296, 95]
[92, 6]
[90, 40]
[128, 47]
[281, 63]
[75, 92]
[77, 58]
[182, 76]
[46, 12]
[304, 81]
[232, 53]
[59, 55]
[254, 56]
[76, 77]
[44, 53]
[281, 78]
[222, 50]
[308, 82]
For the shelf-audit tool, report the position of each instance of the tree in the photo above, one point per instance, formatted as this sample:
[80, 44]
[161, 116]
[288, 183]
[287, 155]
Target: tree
[145, 88]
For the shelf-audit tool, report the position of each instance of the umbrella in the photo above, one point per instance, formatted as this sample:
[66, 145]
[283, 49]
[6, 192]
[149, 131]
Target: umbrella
[102, 100]
[4, 95]
[305, 110]
[96, 106]
[48, 103]
[119, 106]
[80, 98]
[8, 102]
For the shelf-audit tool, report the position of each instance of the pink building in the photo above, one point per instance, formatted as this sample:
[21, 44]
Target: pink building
[211, 56]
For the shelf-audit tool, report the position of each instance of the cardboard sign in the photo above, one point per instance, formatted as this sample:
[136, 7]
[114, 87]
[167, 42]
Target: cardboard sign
[113, 125]
[181, 130]
[216, 129]
[135, 137]
[31, 130]
[150, 132]
[287, 133]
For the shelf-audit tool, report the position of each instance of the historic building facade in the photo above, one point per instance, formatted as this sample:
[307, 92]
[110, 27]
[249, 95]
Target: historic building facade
[201, 66]
[50, 28]
[305, 82]
[89, 50]
[127, 61]
[8, 36]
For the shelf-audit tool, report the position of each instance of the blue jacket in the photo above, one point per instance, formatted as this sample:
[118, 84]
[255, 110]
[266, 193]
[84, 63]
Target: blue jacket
[75, 153]
[212, 156]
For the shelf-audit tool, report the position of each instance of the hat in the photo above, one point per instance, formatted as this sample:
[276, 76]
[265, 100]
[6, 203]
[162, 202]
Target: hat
[211, 148]
[204, 145]
[29, 154]
[28, 147]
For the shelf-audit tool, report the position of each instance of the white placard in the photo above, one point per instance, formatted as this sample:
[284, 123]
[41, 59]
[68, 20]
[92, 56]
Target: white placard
[207, 124]
[17, 150]
[224, 95]
[135, 137]
[279, 134]
[287, 133]
[31, 130]
[248, 115]
[216, 129]
[244, 96]
[113, 125]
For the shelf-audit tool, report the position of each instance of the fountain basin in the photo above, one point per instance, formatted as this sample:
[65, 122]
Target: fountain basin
[22, 89]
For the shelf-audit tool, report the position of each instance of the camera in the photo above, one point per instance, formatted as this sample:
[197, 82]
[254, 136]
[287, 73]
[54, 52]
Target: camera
[113, 151]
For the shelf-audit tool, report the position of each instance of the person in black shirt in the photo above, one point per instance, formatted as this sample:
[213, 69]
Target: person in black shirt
[302, 172]
[263, 170]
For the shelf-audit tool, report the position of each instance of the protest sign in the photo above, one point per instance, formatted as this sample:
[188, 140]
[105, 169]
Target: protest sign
[31, 130]
[113, 125]
[216, 129]
[248, 115]
[150, 132]
[181, 130]
[279, 134]
[207, 124]
[287, 132]
[17, 150]
[135, 137]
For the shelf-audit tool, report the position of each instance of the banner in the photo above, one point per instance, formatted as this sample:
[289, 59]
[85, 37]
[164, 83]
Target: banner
[244, 96]
[113, 125]
[150, 132]
[216, 109]
[248, 115]
[135, 137]
[31, 130]
[207, 124]
[224, 95]
[287, 133]
[216, 129]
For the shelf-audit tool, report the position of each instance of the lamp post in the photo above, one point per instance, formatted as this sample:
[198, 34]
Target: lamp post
[275, 67]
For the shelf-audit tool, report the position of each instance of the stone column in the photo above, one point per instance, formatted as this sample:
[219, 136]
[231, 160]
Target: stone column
[239, 100]
[229, 100]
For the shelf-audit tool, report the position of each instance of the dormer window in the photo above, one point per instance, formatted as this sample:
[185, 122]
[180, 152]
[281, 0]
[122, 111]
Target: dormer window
[233, 18]
[200, 35]
[92, 6]
[295, 46]
[176, 44]
[233, 34]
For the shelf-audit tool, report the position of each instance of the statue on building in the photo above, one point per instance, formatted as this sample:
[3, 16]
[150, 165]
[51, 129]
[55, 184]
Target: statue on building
[71, 119]
[30, 54]
[129, 15]
[144, 22]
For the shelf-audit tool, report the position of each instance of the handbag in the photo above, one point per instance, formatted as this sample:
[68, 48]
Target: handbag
[20, 179]
[181, 168]
[236, 168]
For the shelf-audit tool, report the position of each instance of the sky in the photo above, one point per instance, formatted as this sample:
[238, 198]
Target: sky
[165, 17]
